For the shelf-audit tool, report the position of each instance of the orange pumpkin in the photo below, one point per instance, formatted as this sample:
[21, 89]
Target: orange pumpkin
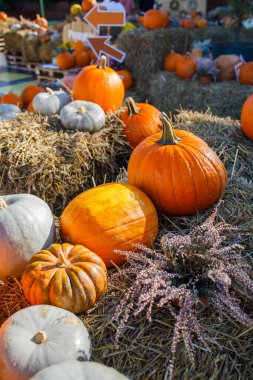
[101, 85]
[140, 19]
[177, 170]
[186, 66]
[114, 216]
[226, 64]
[81, 58]
[65, 61]
[3, 16]
[41, 21]
[155, 19]
[88, 4]
[171, 61]
[127, 78]
[79, 45]
[187, 24]
[197, 52]
[141, 120]
[66, 276]
[30, 108]
[247, 118]
[10, 99]
[201, 23]
[246, 74]
[29, 93]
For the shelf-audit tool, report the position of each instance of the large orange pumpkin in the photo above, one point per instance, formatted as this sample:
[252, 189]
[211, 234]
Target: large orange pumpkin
[41, 21]
[88, 4]
[101, 85]
[66, 276]
[127, 78]
[141, 120]
[10, 99]
[171, 61]
[246, 74]
[154, 19]
[65, 61]
[110, 217]
[29, 93]
[3, 16]
[226, 64]
[81, 58]
[247, 118]
[186, 66]
[177, 170]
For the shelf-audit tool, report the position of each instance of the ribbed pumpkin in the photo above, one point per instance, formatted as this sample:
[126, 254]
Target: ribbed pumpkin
[171, 61]
[127, 78]
[67, 276]
[178, 171]
[246, 73]
[81, 58]
[186, 66]
[65, 61]
[154, 19]
[247, 118]
[99, 84]
[110, 217]
[88, 4]
[141, 120]
[29, 93]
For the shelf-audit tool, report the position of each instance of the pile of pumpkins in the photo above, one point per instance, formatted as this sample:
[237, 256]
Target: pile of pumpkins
[80, 57]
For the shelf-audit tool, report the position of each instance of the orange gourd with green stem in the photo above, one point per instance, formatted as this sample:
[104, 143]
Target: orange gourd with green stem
[178, 171]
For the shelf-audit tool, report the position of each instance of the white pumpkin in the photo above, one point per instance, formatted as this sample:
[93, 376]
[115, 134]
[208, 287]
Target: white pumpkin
[9, 111]
[39, 336]
[50, 102]
[84, 116]
[26, 227]
[74, 370]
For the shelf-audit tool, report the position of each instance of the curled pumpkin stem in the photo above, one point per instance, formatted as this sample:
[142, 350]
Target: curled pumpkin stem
[132, 106]
[168, 137]
[50, 91]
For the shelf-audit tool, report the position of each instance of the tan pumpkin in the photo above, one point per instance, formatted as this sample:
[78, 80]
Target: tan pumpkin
[226, 64]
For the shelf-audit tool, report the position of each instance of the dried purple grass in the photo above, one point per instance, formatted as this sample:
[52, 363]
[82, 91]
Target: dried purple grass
[203, 268]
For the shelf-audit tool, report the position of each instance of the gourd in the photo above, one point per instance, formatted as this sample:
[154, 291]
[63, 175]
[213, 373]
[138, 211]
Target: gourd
[29, 93]
[113, 216]
[81, 58]
[75, 8]
[50, 102]
[39, 336]
[178, 171]
[65, 61]
[74, 370]
[247, 118]
[186, 66]
[154, 19]
[141, 120]
[26, 226]
[8, 112]
[101, 85]
[171, 61]
[88, 4]
[67, 276]
[246, 73]
[127, 78]
[226, 64]
[84, 116]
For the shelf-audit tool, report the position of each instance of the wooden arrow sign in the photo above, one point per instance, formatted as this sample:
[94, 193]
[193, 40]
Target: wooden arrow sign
[97, 17]
[100, 45]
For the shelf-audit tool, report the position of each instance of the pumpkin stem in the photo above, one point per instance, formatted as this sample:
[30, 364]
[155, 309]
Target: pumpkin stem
[63, 259]
[50, 91]
[132, 106]
[40, 337]
[38, 15]
[102, 63]
[3, 204]
[168, 136]
[81, 110]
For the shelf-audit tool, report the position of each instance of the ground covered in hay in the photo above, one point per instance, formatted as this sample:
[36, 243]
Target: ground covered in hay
[38, 156]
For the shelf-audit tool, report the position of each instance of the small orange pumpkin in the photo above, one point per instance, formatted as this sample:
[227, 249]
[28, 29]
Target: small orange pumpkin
[66, 276]
[10, 99]
[197, 52]
[127, 78]
[81, 58]
[201, 23]
[141, 120]
[247, 118]
[177, 170]
[29, 93]
[154, 19]
[186, 66]
[140, 19]
[246, 74]
[110, 217]
[188, 24]
[3, 16]
[79, 45]
[171, 61]
[41, 21]
[88, 4]
[92, 55]
[101, 85]
[65, 61]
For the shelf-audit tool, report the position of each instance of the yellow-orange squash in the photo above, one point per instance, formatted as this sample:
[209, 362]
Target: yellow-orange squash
[127, 78]
[171, 61]
[247, 118]
[154, 19]
[246, 73]
[110, 217]
[141, 120]
[101, 85]
[65, 61]
[66, 276]
[178, 171]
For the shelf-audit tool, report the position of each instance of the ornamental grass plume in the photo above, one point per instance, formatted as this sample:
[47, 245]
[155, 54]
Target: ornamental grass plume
[202, 269]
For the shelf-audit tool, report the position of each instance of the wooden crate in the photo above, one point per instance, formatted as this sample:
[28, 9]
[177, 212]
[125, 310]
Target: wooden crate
[53, 74]
[17, 60]
[2, 44]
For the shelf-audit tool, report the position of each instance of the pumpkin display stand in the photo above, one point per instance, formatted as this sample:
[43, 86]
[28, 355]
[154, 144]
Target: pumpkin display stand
[54, 164]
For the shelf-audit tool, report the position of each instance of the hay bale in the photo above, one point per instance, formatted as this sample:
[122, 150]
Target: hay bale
[13, 40]
[169, 93]
[146, 50]
[30, 48]
[37, 156]
[46, 51]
